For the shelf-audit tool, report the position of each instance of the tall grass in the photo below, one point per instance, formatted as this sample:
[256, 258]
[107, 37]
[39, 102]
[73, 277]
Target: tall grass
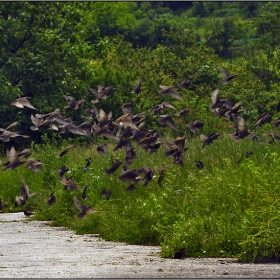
[230, 208]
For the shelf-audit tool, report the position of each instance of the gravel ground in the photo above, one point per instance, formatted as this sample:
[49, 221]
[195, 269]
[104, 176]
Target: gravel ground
[32, 249]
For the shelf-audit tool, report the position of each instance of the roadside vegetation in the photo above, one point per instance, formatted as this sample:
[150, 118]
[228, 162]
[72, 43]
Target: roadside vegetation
[217, 200]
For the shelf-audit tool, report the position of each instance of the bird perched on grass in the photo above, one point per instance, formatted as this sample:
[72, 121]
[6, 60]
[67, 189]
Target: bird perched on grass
[51, 199]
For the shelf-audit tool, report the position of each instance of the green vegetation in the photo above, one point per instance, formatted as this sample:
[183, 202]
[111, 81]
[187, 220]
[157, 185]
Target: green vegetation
[51, 50]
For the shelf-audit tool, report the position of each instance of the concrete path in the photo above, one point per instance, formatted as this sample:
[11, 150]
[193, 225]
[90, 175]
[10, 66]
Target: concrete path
[32, 249]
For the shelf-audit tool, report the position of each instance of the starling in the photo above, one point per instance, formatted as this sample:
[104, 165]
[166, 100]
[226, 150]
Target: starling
[180, 254]
[101, 149]
[161, 174]
[84, 209]
[84, 193]
[167, 119]
[65, 151]
[199, 164]
[195, 125]
[171, 90]
[115, 165]
[227, 76]
[51, 199]
[106, 193]
[208, 140]
[137, 88]
[23, 102]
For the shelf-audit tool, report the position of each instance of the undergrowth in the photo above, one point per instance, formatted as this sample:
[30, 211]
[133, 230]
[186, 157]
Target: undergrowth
[230, 208]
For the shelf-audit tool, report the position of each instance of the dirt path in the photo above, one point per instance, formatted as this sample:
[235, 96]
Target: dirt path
[32, 249]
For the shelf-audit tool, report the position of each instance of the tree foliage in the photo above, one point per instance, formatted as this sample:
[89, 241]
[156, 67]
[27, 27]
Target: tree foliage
[43, 54]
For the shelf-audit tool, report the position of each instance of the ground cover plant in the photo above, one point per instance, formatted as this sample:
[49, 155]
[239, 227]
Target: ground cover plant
[228, 207]
[169, 145]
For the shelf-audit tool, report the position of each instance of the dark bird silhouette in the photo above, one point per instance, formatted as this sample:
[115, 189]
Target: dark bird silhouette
[10, 126]
[101, 149]
[160, 106]
[7, 135]
[25, 194]
[34, 165]
[124, 121]
[227, 76]
[180, 254]
[221, 107]
[161, 174]
[84, 209]
[207, 140]
[13, 160]
[73, 104]
[85, 128]
[1, 204]
[215, 100]
[182, 113]
[51, 199]
[180, 143]
[136, 88]
[149, 173]
[241, 129]
[123, 144]
[115, 165]
[170, 90]
[167, 120]
[72, 128]
[23, 102]
[129, 158]
[68, 183]
[276, 123]
[102, 118]
[176, 149]
[62, 170]
[131, 176]
[102, 92]
[106, 193]
[28, 213]
[127, 108]
[84, 193]
[229, 114]
[263, 118]
[184, 84]
[86, 166]
[65, 151]
[199, 164]
[104, 132]
[25, 153]
[195, 125]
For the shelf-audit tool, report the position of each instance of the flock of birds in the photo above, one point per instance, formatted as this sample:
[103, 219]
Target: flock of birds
[124, 131]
